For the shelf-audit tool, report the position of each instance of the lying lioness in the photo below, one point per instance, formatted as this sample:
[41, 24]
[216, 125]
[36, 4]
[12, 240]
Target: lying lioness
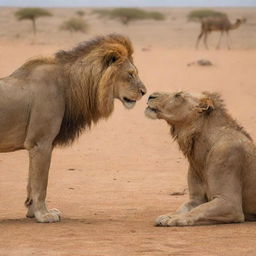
[221, 155]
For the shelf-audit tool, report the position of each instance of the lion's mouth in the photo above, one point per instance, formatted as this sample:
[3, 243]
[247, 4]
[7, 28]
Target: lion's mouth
[129, 100]
[128, 103]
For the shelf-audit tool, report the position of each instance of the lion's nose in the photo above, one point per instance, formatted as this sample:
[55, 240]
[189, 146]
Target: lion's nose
[143, 92]
[142, 89]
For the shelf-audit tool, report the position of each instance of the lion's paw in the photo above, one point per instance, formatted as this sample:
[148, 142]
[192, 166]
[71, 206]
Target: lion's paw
[51, 216]
[30, 213]
[56, 211]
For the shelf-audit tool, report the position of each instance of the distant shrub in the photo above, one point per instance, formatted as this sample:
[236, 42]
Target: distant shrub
[156, 15]
[32, 14]
[126, 15]
[200, 14]
[75, 25]
[101, 12]
[80, 13]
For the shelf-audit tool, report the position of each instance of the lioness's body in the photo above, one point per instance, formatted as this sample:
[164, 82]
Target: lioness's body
[221, 155]
[224, 161]
[50, 101]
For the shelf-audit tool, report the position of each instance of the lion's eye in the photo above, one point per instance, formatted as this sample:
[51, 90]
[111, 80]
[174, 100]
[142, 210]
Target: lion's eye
[111, 60]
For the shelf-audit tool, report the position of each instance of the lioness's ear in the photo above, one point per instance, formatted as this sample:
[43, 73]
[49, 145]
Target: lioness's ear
[205, 106]
[109, 59]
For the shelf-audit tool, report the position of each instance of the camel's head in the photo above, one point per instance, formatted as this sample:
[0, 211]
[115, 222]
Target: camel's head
[241, 20]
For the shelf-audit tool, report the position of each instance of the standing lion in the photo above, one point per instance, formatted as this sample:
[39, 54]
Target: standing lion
[50, 101]
[221, 155]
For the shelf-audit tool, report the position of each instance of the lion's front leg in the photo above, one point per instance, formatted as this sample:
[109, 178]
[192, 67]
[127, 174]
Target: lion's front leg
[40, 157]
[28, 202]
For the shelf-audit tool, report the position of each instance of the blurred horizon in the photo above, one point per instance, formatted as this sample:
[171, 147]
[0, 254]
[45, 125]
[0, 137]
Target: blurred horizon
[128, 3]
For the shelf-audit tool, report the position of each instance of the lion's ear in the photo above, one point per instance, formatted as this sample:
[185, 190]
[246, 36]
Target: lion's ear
[205, 106]
[109, 59]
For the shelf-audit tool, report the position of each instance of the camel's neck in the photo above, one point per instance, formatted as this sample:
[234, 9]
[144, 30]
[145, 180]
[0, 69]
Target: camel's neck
[235, 25]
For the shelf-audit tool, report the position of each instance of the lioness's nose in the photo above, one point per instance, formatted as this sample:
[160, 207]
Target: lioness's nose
[152, 96]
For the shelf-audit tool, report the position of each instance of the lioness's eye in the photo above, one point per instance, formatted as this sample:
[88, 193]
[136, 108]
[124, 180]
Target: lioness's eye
[131, 75]
[177, 95]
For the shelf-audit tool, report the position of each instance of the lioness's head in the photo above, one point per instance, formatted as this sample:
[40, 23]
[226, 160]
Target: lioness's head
[178, 107]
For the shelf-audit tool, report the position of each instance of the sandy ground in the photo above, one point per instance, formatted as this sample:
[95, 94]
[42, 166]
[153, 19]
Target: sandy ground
[119, 177]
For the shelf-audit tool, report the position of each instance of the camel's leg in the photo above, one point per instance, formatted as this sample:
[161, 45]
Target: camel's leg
[199, 38]
[218, 45]
[205, 40]
[40, 157]
[228, 40]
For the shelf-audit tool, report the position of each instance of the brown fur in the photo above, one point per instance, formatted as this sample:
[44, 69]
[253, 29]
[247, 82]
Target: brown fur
[219, 115]
[222, 24]
[50, 101]
[87, 104]
[89, 94]
[221, 155]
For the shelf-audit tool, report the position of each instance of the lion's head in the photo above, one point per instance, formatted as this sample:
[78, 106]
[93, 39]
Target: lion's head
[97, 72]
[178, 107]
[91, 76]
[104, 67]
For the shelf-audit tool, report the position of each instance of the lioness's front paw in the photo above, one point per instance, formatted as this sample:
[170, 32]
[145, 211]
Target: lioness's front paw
[51, 216]
[162, 220]
[173, 220]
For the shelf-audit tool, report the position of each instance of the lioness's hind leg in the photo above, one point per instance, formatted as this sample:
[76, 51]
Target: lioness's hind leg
[40, 157]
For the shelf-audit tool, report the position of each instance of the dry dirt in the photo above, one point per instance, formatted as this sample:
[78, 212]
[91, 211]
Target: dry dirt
[119, 177]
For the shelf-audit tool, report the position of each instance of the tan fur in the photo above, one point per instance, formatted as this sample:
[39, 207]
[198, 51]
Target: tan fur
[50, 101]
[221, 155]
[222, 24]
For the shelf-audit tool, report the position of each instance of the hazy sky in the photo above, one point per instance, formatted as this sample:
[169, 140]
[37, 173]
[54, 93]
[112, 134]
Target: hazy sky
[125, 3]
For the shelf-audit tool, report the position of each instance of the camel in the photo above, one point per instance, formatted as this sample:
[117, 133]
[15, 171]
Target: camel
[222, 24]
